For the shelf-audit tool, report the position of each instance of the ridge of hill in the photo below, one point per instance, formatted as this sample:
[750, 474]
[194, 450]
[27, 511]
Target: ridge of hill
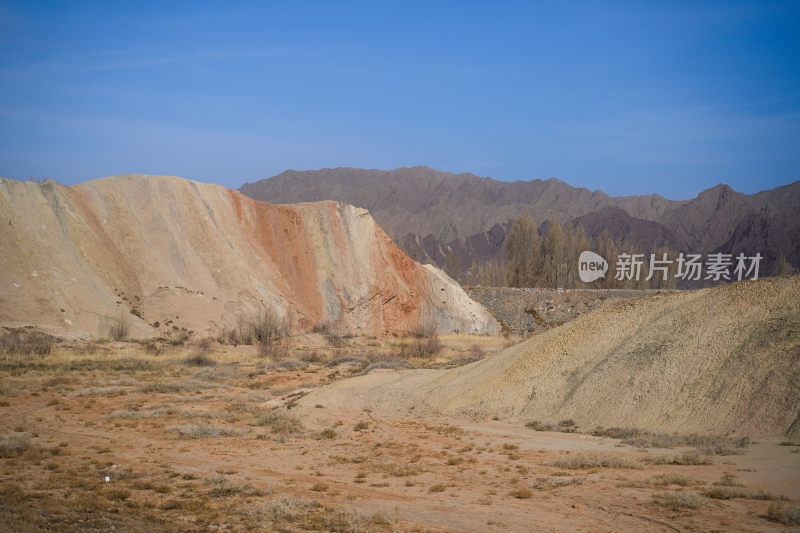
[723, 360]
[182, 255]
[435, 214]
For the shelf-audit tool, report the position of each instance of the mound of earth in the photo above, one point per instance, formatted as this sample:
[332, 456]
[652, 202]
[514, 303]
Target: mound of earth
[173, 254]
[531, 310]
[714, 361]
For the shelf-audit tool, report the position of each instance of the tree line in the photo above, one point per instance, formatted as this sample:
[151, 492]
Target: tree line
[548, 258]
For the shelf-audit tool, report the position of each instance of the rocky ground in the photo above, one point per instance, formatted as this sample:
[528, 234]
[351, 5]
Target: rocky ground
[131, 437]
[526, 311]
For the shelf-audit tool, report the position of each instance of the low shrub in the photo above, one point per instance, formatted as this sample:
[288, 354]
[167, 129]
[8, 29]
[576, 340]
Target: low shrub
[784, 513]
[25, 341]
[582, 461]
[678, 500]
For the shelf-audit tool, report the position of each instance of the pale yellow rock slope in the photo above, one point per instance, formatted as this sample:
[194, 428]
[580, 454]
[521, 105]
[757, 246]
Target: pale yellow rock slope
[716, 361]
[193, 255]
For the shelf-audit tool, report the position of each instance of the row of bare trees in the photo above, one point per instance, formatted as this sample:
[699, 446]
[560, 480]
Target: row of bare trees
[550, 259]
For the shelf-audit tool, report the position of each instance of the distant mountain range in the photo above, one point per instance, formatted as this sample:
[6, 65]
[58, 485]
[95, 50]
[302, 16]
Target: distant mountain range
[433, 214]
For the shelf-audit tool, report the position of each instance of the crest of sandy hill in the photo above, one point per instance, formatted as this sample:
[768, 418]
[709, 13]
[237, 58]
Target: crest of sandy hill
[718, 361]
[178, 253]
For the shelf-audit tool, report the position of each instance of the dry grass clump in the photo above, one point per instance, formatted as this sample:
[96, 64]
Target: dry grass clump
[729, 480]
[347, 359]
[784, 513]
[291, 364]
[704, 444]
[97, 391]
[310, 515]
[582, 461]
[175, 387]
[328, 433]
[391, 364]
[202, 431]
[13, 444]
[686, 458]
[136, 414]
[221, 487]
[545, 483]
[287, 509]
[281, 423]
[678, 500]
[522, 493]
[12, 494]
[729, 493]
[537, 425]
[199, 359]
[672, 478]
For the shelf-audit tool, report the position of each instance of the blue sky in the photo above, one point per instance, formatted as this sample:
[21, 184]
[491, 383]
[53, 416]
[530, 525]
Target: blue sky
[626, 97]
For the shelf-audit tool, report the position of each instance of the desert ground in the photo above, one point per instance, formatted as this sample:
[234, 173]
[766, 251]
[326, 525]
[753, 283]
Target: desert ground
[151, 436]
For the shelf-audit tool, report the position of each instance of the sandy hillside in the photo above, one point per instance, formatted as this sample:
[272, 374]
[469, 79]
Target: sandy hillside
[715, 361]
[175, 254]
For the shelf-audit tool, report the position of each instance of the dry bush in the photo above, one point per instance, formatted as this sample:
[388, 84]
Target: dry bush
[287, 509]
[347, 359]
[281, 423]
[201, 431]
[686, 458]
[240, 333]
[677, 500]
[267, 327]
[522, 493]
[120, 326]
[420, 348]
[13, 444]
[181, 386]
[311, 357]
[205, 346]
[199, 359]
[26, 341]
[385, 364]
[179, 337]
[264, 327]
[536, 425]
[328, 433]
[672, 478]
[582, 461]
[222, 487]
[12, 494]
[427, 326]
[555, 482]
[728, 493]
[784, 513]
[135, 414]
[729, 480]
[310, 515]
[319, 487]
[271, 350]
[705, 444]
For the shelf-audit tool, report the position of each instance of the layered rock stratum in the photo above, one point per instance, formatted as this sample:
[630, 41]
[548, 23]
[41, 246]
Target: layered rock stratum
[177, 254]
[722, 361]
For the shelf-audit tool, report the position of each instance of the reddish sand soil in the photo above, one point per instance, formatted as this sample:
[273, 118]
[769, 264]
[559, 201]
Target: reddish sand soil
[90, 420]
